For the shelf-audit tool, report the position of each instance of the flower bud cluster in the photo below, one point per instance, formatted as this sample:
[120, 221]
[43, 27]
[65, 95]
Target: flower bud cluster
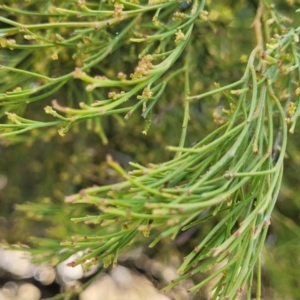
[179, 16]
[156, 22]
[147, 94]
[217, 116]
[115, 96]
[291, 109]
[121, 76]
[203, 15]
[144, 65]
[118, 12]
[179, 37]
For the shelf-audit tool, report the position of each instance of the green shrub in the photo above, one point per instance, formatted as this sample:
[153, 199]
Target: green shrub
[80, 78]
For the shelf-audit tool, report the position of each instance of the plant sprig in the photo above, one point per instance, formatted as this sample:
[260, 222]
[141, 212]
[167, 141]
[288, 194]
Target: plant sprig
[232, 176]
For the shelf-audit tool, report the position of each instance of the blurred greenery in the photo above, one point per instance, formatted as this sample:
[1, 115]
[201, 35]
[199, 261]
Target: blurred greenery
[39, 167]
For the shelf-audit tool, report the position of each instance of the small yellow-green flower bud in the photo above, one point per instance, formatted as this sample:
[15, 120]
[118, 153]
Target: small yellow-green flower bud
[203, 15]
[118, 12]
[179, 37]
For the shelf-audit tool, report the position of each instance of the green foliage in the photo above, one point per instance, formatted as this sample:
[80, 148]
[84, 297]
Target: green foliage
[131, 74]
